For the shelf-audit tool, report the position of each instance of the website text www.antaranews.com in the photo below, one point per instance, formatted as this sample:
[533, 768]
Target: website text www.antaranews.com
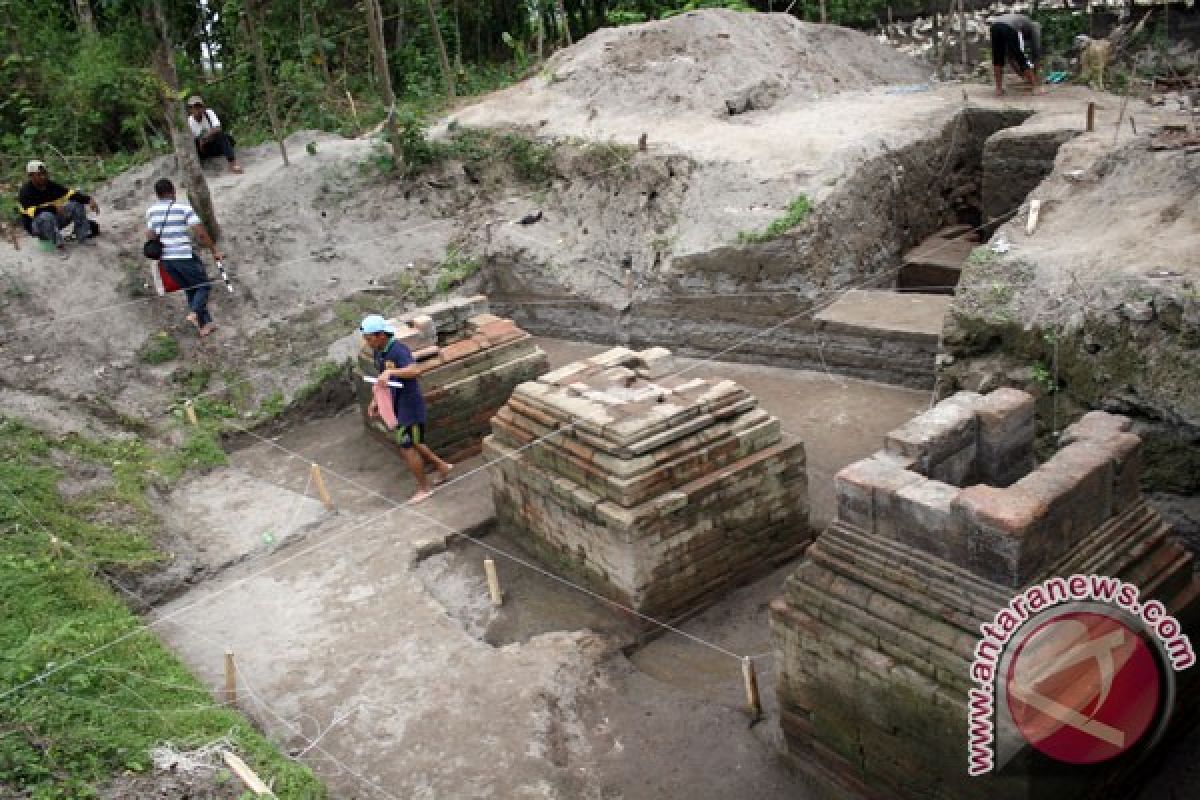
[1033, 600]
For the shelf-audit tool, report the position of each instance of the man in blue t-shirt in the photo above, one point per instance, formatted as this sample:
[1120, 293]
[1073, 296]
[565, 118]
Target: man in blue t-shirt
[394, 362]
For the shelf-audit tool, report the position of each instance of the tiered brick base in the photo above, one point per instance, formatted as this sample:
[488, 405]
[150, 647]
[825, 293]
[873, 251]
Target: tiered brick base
[470, 361]
[663, 491]
[876, 630]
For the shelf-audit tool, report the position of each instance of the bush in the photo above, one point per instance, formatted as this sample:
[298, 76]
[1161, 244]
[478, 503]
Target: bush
[797, 212]
[159, 349]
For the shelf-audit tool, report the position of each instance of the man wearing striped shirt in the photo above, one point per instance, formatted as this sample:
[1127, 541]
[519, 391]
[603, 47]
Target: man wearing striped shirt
[170, 221]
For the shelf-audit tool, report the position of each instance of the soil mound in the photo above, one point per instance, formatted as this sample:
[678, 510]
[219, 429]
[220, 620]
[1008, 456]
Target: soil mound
[722, 62]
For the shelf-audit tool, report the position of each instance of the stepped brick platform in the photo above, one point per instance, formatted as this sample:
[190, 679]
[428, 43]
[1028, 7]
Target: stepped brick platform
[884, 335]
[935, 265]
[663, 492]
[470, 362]
[877, 629]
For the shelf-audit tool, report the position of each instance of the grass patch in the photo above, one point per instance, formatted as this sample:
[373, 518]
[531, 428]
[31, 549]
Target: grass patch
[531, 161]
[797, 212]
[159, 349]
[981, 255]
[76, 728]
[455, 269]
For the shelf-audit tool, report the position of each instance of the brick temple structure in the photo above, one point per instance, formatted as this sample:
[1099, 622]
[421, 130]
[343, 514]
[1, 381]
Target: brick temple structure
[877, 629]
[662, 491]
[470, 359]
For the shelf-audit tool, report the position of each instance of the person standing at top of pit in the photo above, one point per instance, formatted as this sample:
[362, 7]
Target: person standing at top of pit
[170, 222]
[211, 139]
[394, 362]
[1017, 40]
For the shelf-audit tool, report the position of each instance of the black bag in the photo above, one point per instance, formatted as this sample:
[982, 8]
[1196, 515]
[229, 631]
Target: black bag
[153, 248]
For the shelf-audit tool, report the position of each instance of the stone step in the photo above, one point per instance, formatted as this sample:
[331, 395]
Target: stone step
[936, 263]
[893, 315]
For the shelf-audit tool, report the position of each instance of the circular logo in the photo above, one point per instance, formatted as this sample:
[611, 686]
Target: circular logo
[1083, 687]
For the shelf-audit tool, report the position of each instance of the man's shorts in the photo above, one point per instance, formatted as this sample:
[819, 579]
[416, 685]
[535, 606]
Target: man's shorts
[1006, 47]
[408, 435]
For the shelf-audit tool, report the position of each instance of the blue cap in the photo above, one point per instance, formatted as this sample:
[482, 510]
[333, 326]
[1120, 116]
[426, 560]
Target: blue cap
[375, 324]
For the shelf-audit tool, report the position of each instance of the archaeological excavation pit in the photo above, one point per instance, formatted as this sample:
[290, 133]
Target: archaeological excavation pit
[660, 491]
[878, 627]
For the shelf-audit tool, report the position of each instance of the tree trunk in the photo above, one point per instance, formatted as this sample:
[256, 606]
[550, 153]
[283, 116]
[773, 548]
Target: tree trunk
[566, 22]
[87, 21]
[375, 31]
[458, 62]
[962, 33]
[400, 12]
[937, 38]
[316, 20]
[824, 13]
[264, 76]
[181, 138]
[447, 74]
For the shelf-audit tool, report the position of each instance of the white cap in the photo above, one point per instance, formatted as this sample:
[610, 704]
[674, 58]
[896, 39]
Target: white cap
[35, 166]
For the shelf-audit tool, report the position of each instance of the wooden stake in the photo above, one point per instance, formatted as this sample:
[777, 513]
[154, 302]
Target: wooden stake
[230, 680]
[1132, 125]
[319, 481]
[55, 547]
[190, 411]
[489, 566]
[752, 699]
[1035, 207]
[1091, 117]
[248, 776]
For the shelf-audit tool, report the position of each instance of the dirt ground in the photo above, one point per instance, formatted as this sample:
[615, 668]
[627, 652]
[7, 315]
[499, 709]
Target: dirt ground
[362, 632]
[363, 636]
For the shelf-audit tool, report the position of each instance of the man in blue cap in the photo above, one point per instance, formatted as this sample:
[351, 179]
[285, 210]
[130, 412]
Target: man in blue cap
[394, 362]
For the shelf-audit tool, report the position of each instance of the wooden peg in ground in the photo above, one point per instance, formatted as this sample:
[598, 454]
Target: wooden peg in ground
[642, 142]
[248, 776]
[1035, 207]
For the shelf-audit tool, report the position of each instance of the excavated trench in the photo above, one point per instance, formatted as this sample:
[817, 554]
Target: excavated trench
[764, 302]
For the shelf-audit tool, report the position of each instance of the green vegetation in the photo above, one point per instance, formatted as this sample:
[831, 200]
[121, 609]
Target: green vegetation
[529, 160]
[1043, 377]
[160, 348]
[797, 212]
[981, 255]
[93, 691]
[455, 269]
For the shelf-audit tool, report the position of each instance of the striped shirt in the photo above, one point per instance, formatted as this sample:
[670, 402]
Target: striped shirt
[177, 243]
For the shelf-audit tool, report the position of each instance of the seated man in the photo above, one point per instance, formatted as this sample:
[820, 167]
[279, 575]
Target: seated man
[47, 206]
[1016, 39]
[211, 140]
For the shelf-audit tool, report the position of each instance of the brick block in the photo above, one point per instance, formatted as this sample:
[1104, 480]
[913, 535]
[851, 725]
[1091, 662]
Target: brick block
[923, 520]
[865, 488]
[939, 434]
[996, 522]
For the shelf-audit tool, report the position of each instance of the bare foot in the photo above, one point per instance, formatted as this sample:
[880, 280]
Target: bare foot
[1038, 90]
[236, 168]
[208, 329]
[443, 474]
[420, 497]
[192, 318]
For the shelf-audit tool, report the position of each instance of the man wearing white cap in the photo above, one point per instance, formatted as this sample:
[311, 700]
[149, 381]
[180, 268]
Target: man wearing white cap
[211, 140]
[394, 362]
[47, 206]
